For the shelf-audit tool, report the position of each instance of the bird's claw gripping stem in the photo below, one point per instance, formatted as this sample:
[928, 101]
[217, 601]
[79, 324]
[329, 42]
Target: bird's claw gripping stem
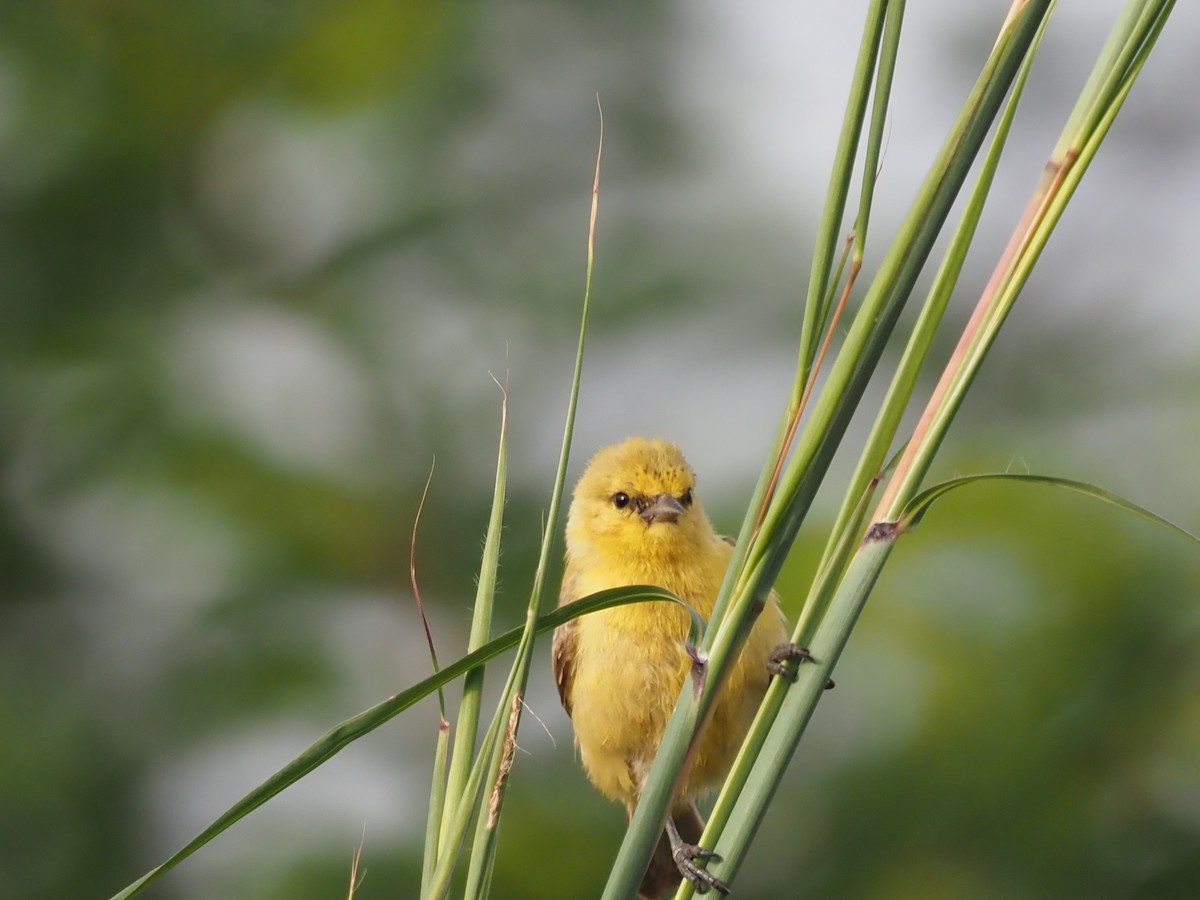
[685, 856]
[785, 653]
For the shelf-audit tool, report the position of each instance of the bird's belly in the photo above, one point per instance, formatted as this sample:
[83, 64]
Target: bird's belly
[630, 665]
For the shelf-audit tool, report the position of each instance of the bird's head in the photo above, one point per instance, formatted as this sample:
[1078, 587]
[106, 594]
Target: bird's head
[636, 498]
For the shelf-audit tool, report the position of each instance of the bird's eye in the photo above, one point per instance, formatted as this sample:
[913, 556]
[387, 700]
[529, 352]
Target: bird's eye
[686, 499]
[620, 499]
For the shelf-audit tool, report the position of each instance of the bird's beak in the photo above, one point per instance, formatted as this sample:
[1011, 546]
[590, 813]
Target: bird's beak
[664, 508]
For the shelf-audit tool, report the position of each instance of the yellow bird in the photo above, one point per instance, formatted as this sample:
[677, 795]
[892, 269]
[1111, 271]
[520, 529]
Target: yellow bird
[635, 519]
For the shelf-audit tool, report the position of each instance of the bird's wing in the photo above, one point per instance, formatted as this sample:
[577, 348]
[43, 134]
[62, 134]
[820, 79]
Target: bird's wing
[563, 660]
[562, 653]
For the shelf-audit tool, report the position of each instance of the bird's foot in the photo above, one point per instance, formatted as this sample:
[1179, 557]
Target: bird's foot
[785, 653]
[686, 856]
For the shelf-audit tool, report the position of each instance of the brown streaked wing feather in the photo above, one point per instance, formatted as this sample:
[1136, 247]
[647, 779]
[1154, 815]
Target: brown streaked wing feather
[562, 653]
[562, 659]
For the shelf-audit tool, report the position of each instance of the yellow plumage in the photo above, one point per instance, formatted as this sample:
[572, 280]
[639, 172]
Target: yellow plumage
[635, 519]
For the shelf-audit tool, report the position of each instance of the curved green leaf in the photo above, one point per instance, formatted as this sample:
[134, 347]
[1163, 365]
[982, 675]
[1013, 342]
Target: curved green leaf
[919, 505]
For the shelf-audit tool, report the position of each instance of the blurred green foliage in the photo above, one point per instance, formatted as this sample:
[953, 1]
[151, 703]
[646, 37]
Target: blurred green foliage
[257, 261]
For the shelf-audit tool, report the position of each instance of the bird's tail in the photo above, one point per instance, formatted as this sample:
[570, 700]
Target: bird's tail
[662, 874]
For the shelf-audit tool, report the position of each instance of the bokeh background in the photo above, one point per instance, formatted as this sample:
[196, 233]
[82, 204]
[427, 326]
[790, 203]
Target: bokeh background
[258, 264]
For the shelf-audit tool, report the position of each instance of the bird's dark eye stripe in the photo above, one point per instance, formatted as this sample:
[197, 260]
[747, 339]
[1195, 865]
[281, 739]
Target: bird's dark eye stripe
[686, 499]
[620, 499]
